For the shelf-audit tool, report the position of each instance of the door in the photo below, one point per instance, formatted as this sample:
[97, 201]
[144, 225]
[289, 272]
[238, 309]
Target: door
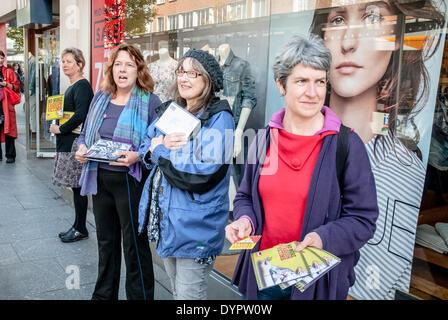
[47, 84]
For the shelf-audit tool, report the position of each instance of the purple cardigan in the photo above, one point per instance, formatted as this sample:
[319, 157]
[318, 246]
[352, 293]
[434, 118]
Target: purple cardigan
[343, 227]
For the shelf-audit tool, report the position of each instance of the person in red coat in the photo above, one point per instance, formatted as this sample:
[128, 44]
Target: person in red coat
[8, 126]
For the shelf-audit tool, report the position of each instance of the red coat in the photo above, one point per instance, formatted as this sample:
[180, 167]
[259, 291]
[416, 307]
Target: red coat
[10, 125]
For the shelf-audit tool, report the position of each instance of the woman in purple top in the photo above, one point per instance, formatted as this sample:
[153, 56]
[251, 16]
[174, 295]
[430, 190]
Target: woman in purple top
[339, 225]
[120, 112]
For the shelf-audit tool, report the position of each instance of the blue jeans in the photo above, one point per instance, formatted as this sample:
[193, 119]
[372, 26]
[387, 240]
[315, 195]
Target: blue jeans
[188, 278]
[274, 293]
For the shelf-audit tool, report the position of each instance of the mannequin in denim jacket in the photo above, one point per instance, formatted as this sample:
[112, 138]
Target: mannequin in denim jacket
[239, 91]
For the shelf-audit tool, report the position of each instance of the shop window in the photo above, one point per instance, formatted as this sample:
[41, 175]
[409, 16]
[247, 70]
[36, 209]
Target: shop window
[388, 36]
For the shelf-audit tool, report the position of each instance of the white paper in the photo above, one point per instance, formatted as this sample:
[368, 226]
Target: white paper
[177, 119]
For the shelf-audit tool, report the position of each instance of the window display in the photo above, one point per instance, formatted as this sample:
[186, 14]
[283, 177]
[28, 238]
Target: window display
[162, 72]
[371, 72]
[239, 91]
[384, 83]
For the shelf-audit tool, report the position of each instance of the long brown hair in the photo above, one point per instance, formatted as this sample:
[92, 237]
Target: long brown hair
[144, 80]
[206, 95]
[414, 74]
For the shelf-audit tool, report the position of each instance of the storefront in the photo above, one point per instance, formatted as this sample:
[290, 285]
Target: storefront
[48, 25]
[394, 94]
[40, 20]
[396, 99]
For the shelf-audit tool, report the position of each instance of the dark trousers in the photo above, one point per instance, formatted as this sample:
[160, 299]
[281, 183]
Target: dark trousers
[10, 148]
[114, 224]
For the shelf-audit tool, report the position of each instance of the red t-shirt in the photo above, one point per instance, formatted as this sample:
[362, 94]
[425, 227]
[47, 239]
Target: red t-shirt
[284, 192]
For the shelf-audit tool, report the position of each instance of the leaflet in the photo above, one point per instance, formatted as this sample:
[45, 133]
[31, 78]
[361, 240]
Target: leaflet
[106, 151]
[282, 265]
[246, 243]
[55, 107]
[177, 119]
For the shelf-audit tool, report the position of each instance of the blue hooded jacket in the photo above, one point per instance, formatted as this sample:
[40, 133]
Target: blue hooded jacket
[193, 196]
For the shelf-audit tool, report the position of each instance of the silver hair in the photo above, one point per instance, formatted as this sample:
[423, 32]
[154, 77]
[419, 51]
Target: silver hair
[310, 52]
[77, 56]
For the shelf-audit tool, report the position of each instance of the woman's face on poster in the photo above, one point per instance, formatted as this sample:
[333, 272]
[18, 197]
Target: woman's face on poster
[361, 39]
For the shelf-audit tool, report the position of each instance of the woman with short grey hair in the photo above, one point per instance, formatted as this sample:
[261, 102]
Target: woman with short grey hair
[321, 206]
[310, 52]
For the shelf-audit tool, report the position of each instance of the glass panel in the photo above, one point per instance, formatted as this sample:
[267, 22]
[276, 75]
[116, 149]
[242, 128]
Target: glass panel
[47, 80]
[386, 57]
[244, 42]
[383, 83]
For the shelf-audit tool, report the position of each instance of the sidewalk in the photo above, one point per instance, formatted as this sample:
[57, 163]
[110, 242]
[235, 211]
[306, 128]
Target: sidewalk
[34, 263]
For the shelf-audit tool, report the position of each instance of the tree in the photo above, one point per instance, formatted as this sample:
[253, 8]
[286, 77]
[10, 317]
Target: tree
[138, 13]
[16, 34]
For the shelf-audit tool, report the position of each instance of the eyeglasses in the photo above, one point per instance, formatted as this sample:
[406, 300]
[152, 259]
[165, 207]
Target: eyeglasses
[190, 74]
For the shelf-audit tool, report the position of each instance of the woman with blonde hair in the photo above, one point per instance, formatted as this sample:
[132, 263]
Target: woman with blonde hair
[67, 170]
[120, 112]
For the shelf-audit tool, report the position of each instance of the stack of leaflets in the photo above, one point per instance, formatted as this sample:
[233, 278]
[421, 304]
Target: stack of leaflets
[106, 151]
[176, 119]
[282, 265]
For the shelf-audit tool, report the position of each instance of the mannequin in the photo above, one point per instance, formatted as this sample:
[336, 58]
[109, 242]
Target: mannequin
[239, 90]
[208, 49]
[162, 71]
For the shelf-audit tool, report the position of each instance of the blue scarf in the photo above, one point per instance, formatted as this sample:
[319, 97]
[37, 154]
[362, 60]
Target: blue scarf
[131, 128]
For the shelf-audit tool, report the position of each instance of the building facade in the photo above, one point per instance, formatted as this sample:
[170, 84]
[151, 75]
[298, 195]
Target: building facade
[399, 95]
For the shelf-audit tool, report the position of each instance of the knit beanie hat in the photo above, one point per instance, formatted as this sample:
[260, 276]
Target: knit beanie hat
[210, 65]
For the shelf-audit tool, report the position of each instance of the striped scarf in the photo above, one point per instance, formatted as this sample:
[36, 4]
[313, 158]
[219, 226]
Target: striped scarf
[131, 128]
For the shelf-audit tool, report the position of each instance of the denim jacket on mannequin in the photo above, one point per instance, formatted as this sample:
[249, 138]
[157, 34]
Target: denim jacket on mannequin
[238, 83]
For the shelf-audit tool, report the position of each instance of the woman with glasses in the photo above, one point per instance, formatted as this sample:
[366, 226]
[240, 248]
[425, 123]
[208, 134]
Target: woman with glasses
[184, 205]
[290, 190]
[121, 111]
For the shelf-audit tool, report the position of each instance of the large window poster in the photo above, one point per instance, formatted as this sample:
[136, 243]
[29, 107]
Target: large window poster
[108, 24]
[386, 59]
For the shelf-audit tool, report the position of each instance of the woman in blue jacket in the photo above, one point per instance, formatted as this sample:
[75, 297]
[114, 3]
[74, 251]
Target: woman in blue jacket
[290, 190]
[184, 205]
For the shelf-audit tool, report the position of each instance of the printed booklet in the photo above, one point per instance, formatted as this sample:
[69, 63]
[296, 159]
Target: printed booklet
[282, 265]
[177, 119]
[55, 107]
[106, 150]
